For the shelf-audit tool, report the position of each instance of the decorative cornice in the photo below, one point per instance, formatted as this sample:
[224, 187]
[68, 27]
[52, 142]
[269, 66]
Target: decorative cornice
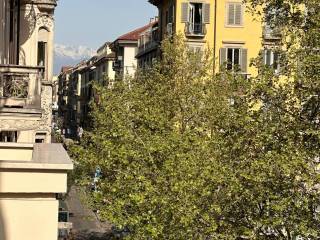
[43, 5]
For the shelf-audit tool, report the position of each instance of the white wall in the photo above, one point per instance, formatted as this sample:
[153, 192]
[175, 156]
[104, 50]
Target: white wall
[29, 218]
[130, 61]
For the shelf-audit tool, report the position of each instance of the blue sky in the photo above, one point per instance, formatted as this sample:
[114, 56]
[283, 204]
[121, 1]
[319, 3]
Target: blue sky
[93, 22]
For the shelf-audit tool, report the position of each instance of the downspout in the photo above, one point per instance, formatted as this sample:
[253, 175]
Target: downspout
[215, 35]
[18, 32]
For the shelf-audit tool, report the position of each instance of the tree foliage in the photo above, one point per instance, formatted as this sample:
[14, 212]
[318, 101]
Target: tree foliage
[187, 154]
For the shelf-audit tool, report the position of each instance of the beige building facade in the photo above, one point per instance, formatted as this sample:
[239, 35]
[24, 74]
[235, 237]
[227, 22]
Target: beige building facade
[76, 89]
[26, 60]
[125, 48]
[33, 172]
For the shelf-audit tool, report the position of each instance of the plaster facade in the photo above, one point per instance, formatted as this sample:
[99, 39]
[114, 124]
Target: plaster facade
[226, 26]
[26, 66]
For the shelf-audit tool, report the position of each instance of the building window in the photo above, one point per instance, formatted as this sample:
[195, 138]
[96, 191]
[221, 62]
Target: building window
[43, 38]
[234, 14]
[234, 58]
[195, 18]
[271, 58]
[40, 138]
[9, 136]
[41, 54]
[195, 15]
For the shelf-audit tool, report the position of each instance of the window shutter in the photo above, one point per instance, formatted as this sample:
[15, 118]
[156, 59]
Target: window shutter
[263, 53]
[184, 12]
[244, 60]
[231, 13]
[238, 14]
[223, 56]
[206, 13]
[171, 13]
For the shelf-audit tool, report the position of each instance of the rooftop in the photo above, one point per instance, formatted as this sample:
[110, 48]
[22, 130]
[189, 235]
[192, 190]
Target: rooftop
[135, 34]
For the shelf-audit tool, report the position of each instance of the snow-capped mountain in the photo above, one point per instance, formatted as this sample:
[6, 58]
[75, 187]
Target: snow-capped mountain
[70, 55]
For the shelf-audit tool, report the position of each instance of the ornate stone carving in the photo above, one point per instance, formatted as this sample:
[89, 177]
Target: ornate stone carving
[45, 20]
[46, 102]
[18, 124]
[15, 86]
[42, 124]
[31, 17]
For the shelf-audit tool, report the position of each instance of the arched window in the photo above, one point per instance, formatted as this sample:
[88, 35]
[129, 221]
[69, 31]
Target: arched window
[43, 38]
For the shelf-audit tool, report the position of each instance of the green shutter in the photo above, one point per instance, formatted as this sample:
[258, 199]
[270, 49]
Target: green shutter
[263, 55]
[231, 14]
[223, 57]
[206, 13]
[244, 60]
[238, 14]
[184, 12]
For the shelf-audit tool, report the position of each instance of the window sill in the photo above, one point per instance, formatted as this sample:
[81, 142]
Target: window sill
[234, 26]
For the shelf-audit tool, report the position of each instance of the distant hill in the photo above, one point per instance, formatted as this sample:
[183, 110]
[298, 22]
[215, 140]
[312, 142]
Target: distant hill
[70, 55]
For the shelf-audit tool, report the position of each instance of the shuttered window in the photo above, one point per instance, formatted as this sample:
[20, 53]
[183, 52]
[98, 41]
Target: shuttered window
[206, 13]
[184, 12]
[271, 58]
[202, 11]
[234, 14]
[244, 60]
[233, 58]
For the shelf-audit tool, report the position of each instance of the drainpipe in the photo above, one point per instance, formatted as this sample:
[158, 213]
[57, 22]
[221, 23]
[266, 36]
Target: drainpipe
[215, 35]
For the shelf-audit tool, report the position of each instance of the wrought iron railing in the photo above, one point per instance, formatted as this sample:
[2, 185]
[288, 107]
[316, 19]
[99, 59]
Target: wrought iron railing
[149, 41]
[271, 33]
[195, 29]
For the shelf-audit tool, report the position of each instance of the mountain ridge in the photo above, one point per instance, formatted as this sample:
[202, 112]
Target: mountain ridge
[68, 55]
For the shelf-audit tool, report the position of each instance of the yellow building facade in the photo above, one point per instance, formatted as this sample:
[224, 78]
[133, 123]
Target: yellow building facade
[226, 26]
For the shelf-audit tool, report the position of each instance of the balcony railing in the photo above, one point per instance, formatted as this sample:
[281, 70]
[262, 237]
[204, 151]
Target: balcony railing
[150, 45]
[195, 29]
[20, 86]
[271, 33]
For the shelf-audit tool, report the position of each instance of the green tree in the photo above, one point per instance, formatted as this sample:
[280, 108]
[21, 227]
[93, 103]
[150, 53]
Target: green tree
[187, 154]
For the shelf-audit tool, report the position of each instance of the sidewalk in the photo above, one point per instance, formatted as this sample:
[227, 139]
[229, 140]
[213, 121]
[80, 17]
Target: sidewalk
[85, 223]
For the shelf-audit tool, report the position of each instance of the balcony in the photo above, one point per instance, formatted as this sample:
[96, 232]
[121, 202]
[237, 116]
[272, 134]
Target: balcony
[195, 29]
[20, 86]
[148, 42]
[270, 33]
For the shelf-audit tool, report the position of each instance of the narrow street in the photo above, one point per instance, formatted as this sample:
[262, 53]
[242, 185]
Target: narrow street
[86, 225]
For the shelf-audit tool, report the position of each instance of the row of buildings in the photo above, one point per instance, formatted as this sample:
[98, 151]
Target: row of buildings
[33, 171]
[113, 60]
[235, 35]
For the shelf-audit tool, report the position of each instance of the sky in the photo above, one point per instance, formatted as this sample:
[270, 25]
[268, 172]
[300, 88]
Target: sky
[92, 22]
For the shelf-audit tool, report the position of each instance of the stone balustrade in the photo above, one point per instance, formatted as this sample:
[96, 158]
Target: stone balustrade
[20, 86]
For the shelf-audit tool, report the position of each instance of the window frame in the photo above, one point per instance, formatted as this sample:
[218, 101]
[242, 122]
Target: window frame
[274, 63]
[233, 55]
[227, 25]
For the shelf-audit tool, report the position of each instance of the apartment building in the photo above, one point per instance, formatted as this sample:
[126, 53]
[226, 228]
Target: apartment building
[76, 90]
[104, 64]
[148, 44]
[33, 172]
[125, 48]
[223, 25]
